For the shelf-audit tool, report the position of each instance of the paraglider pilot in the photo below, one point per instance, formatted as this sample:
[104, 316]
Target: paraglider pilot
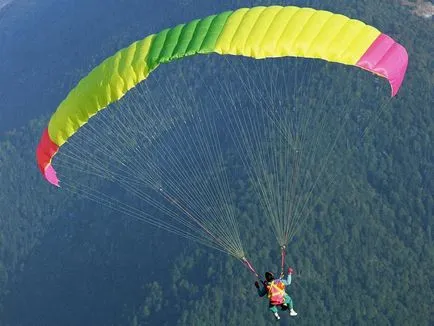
[275, 289]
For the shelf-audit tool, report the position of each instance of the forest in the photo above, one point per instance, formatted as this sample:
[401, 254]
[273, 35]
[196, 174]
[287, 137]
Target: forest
[364, 256]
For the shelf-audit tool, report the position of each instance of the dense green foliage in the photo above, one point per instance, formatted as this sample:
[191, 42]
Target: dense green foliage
[365, 257]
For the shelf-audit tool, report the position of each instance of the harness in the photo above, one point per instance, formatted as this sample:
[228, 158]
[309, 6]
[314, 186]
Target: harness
[276, 292]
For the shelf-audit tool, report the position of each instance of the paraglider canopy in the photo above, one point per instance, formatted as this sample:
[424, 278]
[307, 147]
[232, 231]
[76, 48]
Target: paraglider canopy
[259, 32]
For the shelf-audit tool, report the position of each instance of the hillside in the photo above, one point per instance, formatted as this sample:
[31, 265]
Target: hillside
[366, 257]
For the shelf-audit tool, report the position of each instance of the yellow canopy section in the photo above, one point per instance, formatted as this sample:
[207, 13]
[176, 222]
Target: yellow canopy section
[266, 32]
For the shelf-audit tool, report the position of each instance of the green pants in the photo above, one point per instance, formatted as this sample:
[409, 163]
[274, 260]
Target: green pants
[288, 301]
